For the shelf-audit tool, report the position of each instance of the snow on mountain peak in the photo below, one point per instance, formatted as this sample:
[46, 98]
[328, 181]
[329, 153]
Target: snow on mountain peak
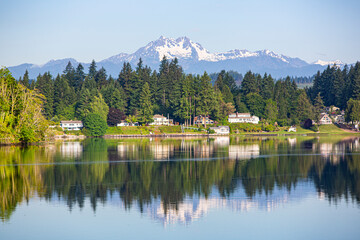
[325, 63]
[184, 48]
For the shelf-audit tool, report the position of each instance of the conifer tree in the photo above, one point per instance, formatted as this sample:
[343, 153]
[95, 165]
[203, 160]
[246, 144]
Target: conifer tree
[100, 78]
[92, 69]
[145, 111]
[304, 108]
[79, 77]
[205, 101]
[44, 84]
[83, 107]
[270, 111]
[249, 84]
[25, 80]
[255, 104]
[318, 107]
[227, 95]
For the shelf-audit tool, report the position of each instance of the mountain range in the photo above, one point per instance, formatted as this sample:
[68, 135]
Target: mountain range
[193, 58]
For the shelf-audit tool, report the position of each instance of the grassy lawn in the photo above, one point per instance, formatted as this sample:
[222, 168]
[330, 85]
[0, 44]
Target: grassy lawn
[145, 130]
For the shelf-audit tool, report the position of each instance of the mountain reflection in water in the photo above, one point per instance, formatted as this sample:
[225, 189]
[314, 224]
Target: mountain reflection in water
[180, 180]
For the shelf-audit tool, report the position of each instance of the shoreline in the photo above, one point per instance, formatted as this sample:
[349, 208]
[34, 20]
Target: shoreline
[177, 135]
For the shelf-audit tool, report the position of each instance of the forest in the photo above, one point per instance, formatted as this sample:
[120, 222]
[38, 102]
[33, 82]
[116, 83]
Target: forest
[137, 94]
[141, 92]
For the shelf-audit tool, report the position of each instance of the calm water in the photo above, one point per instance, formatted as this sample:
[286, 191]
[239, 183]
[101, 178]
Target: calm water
[217, 188]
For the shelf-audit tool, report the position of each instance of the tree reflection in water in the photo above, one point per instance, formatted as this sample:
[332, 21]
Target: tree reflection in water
[169, 172]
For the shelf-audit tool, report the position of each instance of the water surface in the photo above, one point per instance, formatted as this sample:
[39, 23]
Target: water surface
[163, 188]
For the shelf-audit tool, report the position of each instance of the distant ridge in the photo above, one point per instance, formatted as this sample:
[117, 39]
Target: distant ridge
[193, 58]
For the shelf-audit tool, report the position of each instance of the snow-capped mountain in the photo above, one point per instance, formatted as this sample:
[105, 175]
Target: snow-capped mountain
[326, 63]
[193, 57]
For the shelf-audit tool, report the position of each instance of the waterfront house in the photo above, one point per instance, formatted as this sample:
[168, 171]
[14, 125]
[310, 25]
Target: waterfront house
[243, 118]
[161, 120]
[203, 120]
[292, 129]
[339, 119]
[221, 129]
[325, 119]
[71, 125]
[124, 123]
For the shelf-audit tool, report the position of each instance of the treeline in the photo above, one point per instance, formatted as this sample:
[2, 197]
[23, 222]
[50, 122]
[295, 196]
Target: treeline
[142, 92]
[336, 86]
[20, 112]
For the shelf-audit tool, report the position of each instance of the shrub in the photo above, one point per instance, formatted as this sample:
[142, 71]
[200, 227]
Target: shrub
[211, 131]
[94, 125]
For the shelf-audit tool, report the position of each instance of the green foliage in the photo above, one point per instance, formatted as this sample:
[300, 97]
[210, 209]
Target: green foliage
[95, 125]
[304, 109]
[211, 131]
[244, 127]
[270, 110]
[283, 122]
[352, 113]
[249, 84]
[99, 106]
[170, 129]
[255, 103]
[21, 118]
[145, 111]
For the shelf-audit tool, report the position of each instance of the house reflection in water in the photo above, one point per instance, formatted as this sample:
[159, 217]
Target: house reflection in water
[242, 152]
[71, 149]
[222, 141]
[161, 151]
[192, 209]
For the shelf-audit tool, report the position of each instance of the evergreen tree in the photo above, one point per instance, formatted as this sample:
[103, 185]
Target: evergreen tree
[117, 101]
[145, 111]
[92, 69]
[83, 106]
[255, 104]
[25, 80]
[44, 85]
[318, 107]
[227, 95]
[240, 104]
[270, 111]
[100, 78]
[205, 102]
[267, 87]
[79, 77]
[249, 84]
[64, 96]
[69, 74]
[304, 108]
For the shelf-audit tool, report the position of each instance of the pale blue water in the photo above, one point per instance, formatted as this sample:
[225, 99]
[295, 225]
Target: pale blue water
[176, 189]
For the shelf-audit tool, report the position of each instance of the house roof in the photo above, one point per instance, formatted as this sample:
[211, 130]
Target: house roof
[218, 127]
[158, 116]
[70, 121]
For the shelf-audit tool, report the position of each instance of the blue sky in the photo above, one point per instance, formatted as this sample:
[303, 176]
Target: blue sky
[39, 30]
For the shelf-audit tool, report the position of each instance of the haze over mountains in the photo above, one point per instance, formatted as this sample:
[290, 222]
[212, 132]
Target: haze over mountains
[193, 58]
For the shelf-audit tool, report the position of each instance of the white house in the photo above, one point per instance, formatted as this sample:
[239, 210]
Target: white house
[71, 125]
[161, 120]
[221, 129]
[339, 119]
[124, 123]
[325, 119]
[243, 118]
[292, 129]
[203, 120]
